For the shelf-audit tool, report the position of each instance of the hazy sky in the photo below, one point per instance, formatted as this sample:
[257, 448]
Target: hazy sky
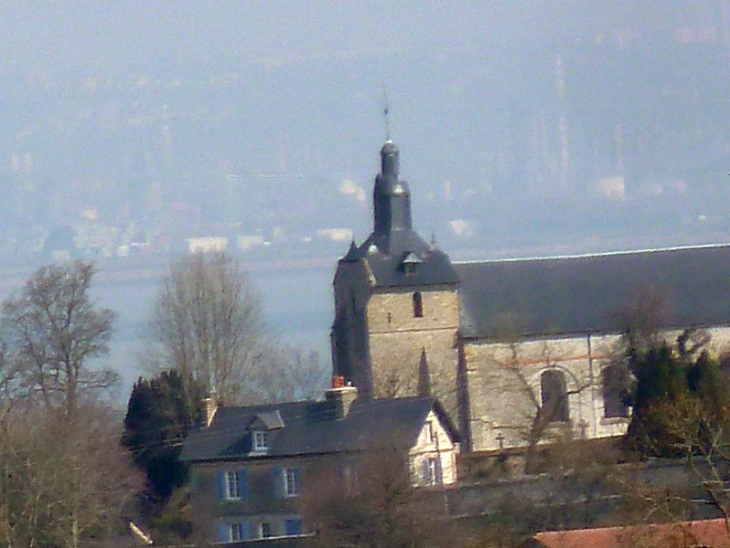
[107, 34]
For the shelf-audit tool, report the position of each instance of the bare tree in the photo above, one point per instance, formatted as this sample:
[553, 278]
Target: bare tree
[208, 326]
[51, 330]
[63, 478]
[374, 504]
[540, 394]
[207, 321]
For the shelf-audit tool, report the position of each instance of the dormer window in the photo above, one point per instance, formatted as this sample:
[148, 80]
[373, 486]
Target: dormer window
[261, 427]
[260, 441]
[409, 262]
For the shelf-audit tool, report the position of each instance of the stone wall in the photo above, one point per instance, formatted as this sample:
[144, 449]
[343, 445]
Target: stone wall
[503, 380]
[403, 346]
[505, 394]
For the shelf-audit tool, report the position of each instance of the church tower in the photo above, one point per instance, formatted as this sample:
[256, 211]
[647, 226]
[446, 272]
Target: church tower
[396, 322]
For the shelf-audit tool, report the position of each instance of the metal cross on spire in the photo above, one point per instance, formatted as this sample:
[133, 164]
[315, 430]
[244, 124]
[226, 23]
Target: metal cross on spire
[386, 111]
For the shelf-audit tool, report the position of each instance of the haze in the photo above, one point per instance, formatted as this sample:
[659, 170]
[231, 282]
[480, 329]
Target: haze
[525, 128]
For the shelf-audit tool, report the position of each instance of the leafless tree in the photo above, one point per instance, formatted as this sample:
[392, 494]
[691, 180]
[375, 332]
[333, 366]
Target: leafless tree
[208, 325]
[539, 392]
[64, 478]
[372, 502]
[51, 330]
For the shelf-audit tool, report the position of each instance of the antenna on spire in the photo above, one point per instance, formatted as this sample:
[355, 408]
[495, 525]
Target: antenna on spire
[386, 112]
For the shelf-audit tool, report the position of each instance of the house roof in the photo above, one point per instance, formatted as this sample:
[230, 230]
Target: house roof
[313, 428]
[593, 293]
[712, 533]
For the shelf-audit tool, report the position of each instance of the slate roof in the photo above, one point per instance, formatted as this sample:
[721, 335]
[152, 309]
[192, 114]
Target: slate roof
[312, 428]
[386, 256]
[593, 293]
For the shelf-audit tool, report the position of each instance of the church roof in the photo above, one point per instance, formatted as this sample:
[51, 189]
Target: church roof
[594, 293]
[408, 261]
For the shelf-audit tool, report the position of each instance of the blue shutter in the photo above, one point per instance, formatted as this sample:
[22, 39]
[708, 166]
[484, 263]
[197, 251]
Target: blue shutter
[223, 533]
[246, 530]
[277, 479]
[298, 480]
[294, 526]
[242, 484]
[220, 484]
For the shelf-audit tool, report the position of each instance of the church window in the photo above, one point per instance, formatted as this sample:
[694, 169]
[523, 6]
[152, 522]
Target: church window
[615, 385]
[554, 396]
[417, 305]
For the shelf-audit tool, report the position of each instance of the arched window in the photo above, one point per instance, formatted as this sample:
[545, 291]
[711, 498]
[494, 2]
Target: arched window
[554, 396]
[417, 305]
[614, 382]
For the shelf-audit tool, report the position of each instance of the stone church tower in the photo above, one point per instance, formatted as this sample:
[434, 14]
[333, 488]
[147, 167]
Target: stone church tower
[396, 304]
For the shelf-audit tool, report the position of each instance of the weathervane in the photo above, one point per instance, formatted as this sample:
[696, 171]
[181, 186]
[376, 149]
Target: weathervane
[386, 110]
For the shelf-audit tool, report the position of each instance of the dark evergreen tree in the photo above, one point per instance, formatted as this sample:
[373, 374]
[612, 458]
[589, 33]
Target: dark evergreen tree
[159, 417]
[680, 399]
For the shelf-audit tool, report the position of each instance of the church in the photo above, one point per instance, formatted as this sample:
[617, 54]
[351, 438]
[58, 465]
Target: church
[518, 351]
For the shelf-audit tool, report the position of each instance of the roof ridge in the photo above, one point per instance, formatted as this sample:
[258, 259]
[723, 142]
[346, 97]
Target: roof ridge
[590, 255]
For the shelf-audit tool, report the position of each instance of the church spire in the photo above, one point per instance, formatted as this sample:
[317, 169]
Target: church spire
[391, 197]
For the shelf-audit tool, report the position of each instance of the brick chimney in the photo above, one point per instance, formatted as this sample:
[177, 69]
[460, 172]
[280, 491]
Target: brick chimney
[210, 406]
[342, 396]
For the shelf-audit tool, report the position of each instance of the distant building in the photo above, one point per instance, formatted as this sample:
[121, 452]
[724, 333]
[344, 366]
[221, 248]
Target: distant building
[508, 346]
[207, 244]
[251, 465]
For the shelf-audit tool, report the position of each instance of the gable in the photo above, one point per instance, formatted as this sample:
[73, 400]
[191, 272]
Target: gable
[593, 293]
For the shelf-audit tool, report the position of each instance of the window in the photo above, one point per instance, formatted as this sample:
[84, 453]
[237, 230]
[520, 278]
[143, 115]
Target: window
[292, 484]
[350, 479]
[554, 396]
[293, 526]
[234, 489]
[430, 432]
[233, 532]
[615, 381]
[237, 531]
[231, 484]
[265, 530]
[260, 441]
[417, 305]
[431, 471]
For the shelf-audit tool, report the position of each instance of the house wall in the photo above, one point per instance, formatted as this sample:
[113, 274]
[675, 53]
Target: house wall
[437, 446]
[398, 340]
[265, 499]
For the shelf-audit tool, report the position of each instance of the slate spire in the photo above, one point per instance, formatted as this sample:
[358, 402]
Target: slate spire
[391, 197]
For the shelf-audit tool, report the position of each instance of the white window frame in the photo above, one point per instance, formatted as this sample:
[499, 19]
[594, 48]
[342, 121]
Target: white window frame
[260, 440]
[235, 532]
[265, 530]
[433, 467]
[292, 482]
[430, 432]
[234, 489]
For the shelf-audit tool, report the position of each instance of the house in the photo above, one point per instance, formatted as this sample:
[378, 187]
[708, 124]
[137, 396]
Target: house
[507, 344]
[711, 533]
[252, 464]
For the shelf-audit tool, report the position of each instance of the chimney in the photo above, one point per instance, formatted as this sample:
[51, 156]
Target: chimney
[342, 396]
[210, 406]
